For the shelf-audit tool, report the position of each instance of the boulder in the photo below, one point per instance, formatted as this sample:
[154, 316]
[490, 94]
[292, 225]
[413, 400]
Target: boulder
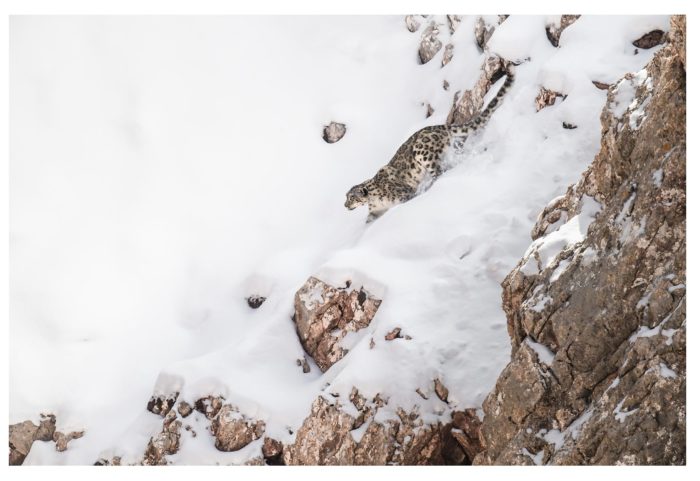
[63, 439]
[430, 44]
[332, 133]
[412, 22]
[272, 451]
[21, 438]
[164, 443]
[233, 430]
[649, 39]
[324, 315]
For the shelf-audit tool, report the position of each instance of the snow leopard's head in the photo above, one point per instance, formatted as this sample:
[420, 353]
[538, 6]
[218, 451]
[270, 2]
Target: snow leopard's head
[357, 196]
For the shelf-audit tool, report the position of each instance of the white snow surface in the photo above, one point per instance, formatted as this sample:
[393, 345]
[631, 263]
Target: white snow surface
[162, 169]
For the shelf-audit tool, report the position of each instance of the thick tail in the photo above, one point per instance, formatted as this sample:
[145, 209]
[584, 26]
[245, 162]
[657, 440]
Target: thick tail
[481, 119]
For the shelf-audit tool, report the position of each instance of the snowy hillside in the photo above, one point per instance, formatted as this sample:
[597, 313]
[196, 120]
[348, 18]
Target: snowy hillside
[164, 169]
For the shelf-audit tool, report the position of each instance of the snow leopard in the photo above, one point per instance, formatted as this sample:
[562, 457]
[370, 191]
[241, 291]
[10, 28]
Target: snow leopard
[418, 161]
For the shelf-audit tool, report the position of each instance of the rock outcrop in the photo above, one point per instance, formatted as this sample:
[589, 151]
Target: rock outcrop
[413, 22]
[324, 315]
[164, 443]
[555, 29]
[23, 435]
[467, 106]
[230, 429]
[332, 436]
[233, 430]
[596, 307]
[483, 30]
[430, 44]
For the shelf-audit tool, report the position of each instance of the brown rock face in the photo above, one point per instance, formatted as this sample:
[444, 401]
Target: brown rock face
[554, 30]
[597, 316]
[22, 435]
[234, 430]
[466, 429]
[272, 451]
[326, 438]
[467, 106]
[677, 37]
[324, 315]
[323, 439]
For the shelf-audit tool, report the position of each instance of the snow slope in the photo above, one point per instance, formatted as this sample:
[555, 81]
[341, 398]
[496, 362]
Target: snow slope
[164, 168]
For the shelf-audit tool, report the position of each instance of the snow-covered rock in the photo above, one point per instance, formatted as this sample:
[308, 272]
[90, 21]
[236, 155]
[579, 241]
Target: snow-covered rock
[597, 374]
[324, 315]
[234, 430]
[430, 43]
[332, 436]
[471, 102]
[555, 28]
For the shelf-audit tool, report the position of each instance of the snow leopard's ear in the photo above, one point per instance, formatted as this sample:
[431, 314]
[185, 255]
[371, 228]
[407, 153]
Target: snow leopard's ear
[364, 190]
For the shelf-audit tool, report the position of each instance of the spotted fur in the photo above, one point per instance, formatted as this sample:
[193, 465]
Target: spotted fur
[418, 161]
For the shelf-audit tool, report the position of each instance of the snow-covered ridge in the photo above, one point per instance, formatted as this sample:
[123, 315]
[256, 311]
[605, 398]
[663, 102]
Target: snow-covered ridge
[171, 183]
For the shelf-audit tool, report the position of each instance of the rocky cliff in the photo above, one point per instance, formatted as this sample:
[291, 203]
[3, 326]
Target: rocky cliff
[596, 306]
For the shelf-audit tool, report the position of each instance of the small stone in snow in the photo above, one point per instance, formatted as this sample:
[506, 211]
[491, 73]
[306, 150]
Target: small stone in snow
[255, 301]
[395, 333]
[62, 440]
[304, 364]
[441, 390]
[333, 132]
